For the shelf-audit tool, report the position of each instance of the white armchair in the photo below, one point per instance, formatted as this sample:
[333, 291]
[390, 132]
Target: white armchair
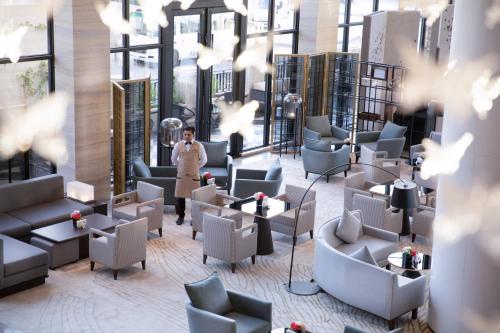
[376, 214]
[379, 160]
[422, 222]
[206, 200]
[353, 184]
[146, 201]
[222, 240]
[285, 222]
[125, 247]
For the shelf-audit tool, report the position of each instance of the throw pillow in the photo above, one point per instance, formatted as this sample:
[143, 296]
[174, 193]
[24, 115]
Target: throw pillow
[140, 168]
[318, 145]
[348, 228]
[274, 172]
[363, 254]
[209, 295]
[320, 124]
[357, 214]
[391, 131]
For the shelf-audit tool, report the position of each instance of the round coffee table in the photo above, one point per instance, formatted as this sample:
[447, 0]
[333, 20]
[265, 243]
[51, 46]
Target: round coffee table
[412, 271]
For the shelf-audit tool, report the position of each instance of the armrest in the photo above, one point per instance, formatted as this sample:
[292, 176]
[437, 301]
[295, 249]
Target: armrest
[123, 199]
[204, 321]
[308, 205]
[408, 294]
[252, 227]
[310, 134]
[339, 133]
[93, 232]
[426, 208]
[208, 206]
[155, 203]
[363, 137]
[281, 197]
[158, 181]
[416, 149]
[163, 171]
[250, 174]
[251, 306]
[227, 197]
[379, 233]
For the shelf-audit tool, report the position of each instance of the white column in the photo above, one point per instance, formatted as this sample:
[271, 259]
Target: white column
[318, 26]
[465, 277]
[82, 71]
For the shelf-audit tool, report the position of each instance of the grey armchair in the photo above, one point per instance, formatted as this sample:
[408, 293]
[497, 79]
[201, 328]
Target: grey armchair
[215, 309]
[319, 128]
[317, 157]
[422, 222]
[162, 176]
[353, 184]
[249, 181]
[379, 159]
[222, 240]
[376, 214]
[219, 164]
[146, 201]
[418, 150]
[125, 247]
[391, 139]
[206, 200]
[285, 223]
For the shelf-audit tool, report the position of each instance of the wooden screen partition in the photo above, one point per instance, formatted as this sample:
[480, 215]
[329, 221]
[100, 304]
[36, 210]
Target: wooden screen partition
[131, 129]
[317, 84]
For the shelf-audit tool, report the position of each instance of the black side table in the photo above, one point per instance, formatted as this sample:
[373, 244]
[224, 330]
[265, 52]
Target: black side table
[99, 206]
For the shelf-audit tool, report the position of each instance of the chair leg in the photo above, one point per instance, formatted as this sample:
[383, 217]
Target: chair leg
[414, 313]
[160, 231]
[205, 259]
[253, 259]
[388, 267]
[115, 274]
[413, 236]
[92, 264]
[143, 262]
[307, 174]
[194, 234]
[311, 233]
[228, 192]
[327, 178]
[295, 241]
[392, 324]
[233, 268]
[345, 173]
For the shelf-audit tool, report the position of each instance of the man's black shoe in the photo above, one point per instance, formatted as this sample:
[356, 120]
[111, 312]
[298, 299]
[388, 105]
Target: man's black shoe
[179, 221]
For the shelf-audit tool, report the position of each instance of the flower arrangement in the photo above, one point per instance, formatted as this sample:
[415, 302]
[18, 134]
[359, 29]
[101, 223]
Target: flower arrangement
[410, 257]
[259, 196]
[409, 250]
[298, 327]
[207, 178]
[81, 223]
[75, 216]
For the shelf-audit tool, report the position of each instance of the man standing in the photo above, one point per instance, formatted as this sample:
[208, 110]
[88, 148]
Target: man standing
[189, 156]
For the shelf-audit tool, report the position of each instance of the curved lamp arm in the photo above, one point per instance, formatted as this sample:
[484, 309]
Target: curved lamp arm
[304, 196]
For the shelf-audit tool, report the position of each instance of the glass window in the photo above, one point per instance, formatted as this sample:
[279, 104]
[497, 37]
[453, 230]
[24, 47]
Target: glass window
[342, 11]
[116, 65]
[283, 15]
[24, 82]
[142, 35]
[283, 44]
[360, 8]
[388, 5]
[257, 18]
[340, 39]
[31, 14]
[255, 89]
[355, 33]
[116, 39]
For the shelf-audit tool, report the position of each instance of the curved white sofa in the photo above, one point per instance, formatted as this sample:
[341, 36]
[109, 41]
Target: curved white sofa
[365, 286]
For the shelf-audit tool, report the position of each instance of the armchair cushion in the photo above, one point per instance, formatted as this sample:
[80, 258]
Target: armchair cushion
[364, 255]
[274, 172]
[210, 295]
[129, 212]
[318, 145]
[140, 168]
[320, 124]
[216, 153]
[349, 227]
[391, 131]
[19, 257]
[247, 324]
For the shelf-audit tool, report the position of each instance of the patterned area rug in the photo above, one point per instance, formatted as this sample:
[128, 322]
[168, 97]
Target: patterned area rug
[74, 299]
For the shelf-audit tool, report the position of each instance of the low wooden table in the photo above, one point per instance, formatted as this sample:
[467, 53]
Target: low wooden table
[65, 243]
[261, 218]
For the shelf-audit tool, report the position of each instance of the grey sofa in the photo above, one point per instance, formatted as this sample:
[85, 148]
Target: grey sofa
[363, 285]
[215, 309]
[35, 203]
[317, 157]
[319, 128]
[162, 176]
[417, 150]
[22, 266]
[391, 139]
[219, 164]
[249, 181]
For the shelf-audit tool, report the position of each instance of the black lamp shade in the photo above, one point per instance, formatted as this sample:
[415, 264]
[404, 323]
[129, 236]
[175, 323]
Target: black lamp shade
[404, 194]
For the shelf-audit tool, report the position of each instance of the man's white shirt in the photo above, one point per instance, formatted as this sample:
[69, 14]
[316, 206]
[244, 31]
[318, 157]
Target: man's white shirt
[202, 153]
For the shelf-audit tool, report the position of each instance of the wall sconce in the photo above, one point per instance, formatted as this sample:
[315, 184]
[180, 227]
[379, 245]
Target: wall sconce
[80, 191]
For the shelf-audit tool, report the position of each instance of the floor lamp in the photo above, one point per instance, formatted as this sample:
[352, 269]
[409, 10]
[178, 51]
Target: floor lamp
[404, 196]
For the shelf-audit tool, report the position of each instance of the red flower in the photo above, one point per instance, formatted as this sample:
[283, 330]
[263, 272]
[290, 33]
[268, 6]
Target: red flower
[76, 215]
[413, 252]
[262, 196]
[297, 326]
[207, 175]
